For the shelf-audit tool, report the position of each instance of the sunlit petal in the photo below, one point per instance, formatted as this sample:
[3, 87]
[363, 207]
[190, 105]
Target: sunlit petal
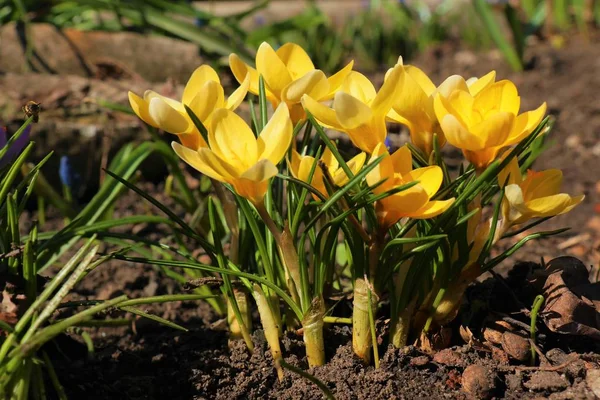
[275, 139]
[325, 115]
[477, 85]
[166, 117]
[199, 78]
[238, 95]
[232, 140]
[402, 160]
[208, 163]
[295, 59]
[209, 98]
[140, 108]
[430, 178]
[494, 130]
[273, 70]
[358, 86]
[313, 84]
[240, 69]
[336, 80]
[351, 112]
[432, 209]
[458, 135]
[525, 124]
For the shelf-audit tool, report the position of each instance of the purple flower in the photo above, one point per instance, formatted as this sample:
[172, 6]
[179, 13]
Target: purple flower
[387, 142]
[17, 146]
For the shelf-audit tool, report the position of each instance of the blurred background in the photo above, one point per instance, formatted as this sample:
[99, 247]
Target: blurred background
[80, 58]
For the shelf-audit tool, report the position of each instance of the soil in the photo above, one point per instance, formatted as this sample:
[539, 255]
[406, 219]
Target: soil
[150, 361]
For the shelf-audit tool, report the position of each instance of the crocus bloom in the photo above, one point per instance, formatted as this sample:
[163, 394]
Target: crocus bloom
[536, 196]
[396, 170]
[235, 156]
[485, 122]
[289, 74]
[300, 167]
[358, 110]
[413, 106]
[203, 94]
[17, 146]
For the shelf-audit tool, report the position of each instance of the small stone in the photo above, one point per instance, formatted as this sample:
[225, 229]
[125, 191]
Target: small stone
[492, 335]
[448, 357]
[478, 381]
[546, 381]
[592, 379]
[516, 346]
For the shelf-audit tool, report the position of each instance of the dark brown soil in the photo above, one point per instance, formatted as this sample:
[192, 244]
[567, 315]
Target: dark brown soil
[150, 361]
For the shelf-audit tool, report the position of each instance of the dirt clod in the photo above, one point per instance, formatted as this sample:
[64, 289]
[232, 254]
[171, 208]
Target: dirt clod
[546, 381]
[449, 357]
[592, 379]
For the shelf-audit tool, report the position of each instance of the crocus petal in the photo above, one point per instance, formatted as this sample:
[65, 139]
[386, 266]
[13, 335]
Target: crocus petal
[358, 86]
[525, 124]
[477, 85]
[402, 160]
[512, 172]
[313, 84]
[494, 130]
[240, 70]
[238, 95]
[542, 184]
[548, 206]
[329, 159]
[261, 171]
[166, 117]
[452, 83]
[383, 101]
[407, 202]
[502, 95]
[272, 69]
[458, 135]
[575, 200]
[430, 178]
[325, 115]
[384, 171]
[336, 80]
[411, 101]
[275, 139]
[199, 78]
[432, 209]
[351, 112]
[420, 78]
[232, 140]
[295, 59]
[207, 163]
[355, 164]
[140, 108]
[209, 98]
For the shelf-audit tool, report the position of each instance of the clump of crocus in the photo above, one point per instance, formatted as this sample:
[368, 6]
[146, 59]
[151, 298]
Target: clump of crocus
[289, 74]
[203, 94]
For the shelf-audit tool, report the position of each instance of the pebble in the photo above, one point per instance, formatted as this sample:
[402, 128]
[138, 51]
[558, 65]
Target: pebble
[479, 381]
[516, 346]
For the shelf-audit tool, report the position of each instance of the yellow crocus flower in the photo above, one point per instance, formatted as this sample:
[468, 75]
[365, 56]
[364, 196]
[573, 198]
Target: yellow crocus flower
[300, 167]
[235, 156]
[203, 94]
[413, 106]
[396, 170]
[535, 196]
[485, 122]
[358, 110]
[289, 74]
